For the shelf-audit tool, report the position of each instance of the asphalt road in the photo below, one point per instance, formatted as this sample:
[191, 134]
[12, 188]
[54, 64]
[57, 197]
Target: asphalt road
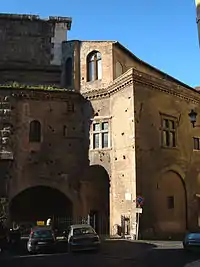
[115, 253]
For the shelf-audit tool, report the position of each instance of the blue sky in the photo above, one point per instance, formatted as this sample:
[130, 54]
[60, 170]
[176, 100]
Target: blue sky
[162, 33]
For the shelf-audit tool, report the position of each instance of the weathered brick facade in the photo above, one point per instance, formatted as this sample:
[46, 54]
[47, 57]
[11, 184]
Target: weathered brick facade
[121, 106]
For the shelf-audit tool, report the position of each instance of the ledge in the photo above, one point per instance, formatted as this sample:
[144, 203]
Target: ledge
[28, 17]
[19, 86]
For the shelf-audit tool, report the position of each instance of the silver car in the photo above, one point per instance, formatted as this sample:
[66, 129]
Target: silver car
[191, 241]
[83, 237]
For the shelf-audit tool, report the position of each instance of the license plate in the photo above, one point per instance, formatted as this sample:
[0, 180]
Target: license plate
[42, 243]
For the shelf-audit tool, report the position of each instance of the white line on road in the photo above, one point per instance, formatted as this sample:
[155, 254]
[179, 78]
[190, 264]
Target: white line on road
[38, 255]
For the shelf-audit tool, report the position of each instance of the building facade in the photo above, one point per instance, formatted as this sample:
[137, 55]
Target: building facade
[120, 130]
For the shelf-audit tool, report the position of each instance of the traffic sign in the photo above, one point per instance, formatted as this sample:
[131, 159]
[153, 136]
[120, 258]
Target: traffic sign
[140, 200]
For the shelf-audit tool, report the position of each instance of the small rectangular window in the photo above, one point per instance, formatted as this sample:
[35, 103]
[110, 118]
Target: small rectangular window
[96, 127]
[100, 135]
[168, 132]
[64, 130]
[96, 140]
[170, 202]
[105, 126]
[196, 143]
[104, 140]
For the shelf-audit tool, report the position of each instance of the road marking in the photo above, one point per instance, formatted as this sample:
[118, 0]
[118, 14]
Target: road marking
[38, 255]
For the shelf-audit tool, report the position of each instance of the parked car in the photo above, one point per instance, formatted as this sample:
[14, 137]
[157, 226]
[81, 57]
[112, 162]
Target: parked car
[83, 237]
[41, 239]
[191, 241]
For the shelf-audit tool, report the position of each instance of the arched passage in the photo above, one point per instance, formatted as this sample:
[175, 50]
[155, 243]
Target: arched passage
[171, 209]
[96, 197]
[39, 203]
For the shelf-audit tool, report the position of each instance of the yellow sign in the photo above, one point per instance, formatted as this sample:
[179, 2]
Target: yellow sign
[40, 223]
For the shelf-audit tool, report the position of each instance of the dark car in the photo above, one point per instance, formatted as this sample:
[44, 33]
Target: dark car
[191, 241]
[41, 239]
[83, 237]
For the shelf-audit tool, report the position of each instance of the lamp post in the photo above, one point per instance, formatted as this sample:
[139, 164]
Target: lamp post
[193, 117]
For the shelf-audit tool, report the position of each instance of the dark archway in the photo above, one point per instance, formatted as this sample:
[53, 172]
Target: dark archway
[98, 198]
[39, 203]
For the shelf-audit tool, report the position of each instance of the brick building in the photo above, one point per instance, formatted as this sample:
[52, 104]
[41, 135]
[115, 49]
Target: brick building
[131, 118]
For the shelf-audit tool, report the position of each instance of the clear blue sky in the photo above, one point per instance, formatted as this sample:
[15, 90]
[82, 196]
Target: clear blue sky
[162, 33]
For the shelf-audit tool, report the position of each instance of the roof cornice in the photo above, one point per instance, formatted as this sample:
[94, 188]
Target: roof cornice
[166, 86]
[133, 76]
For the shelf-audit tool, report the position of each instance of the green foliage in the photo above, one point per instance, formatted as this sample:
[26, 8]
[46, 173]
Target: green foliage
[16, 85]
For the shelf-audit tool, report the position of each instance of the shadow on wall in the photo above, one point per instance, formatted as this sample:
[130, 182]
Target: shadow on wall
[96, 193]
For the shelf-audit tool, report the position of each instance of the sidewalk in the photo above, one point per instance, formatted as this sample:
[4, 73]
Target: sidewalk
[193, 264]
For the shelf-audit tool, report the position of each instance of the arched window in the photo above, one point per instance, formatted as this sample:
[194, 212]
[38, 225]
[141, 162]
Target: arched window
[118, 69]
[68, 72]
[35, 131]
[94, 66]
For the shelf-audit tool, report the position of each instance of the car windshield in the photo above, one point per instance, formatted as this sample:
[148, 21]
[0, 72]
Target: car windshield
[83, 231]
[194, 235]
[42, 234]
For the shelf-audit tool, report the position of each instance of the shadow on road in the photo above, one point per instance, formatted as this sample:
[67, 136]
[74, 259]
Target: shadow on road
[176, 257]
[125, 249]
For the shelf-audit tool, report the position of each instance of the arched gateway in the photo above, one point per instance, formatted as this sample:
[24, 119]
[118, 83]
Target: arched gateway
[40, 203]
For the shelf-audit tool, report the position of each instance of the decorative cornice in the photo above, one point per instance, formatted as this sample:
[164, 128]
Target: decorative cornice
[133, 76]
[118, 84]
[187, 93]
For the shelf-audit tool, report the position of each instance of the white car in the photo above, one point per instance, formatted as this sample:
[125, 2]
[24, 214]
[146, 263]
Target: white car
[83, 237]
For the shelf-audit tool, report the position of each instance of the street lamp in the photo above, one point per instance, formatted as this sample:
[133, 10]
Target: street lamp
[193, 117]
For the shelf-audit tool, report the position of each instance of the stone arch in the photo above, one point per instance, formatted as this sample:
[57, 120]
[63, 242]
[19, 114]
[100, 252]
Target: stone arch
[171, 203]
[174, 168]
[95, 192]
[39, 203]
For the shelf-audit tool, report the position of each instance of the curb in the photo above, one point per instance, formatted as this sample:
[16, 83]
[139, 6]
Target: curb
[193, 264]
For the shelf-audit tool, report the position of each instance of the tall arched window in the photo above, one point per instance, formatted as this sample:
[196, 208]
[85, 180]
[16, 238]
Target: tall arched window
[118, 69]
[35, 131]
[68, 72]
[94, 66]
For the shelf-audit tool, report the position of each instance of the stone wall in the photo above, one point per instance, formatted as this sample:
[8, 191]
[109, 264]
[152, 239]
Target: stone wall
[155, 163]
[31, 40]
[60, 158]
[25, 41]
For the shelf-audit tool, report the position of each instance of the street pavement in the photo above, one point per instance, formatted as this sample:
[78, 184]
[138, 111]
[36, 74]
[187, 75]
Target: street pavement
[114, 253]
